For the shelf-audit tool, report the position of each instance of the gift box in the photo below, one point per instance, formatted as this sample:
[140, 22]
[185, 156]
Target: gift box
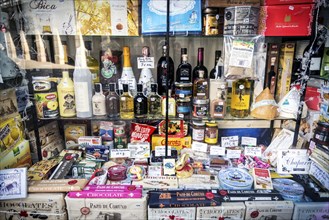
[228, 3]
[285, 20]
[310, 210]
[228, 210]
[285, 2]
[171, 213]
[99, 209]
[8, 103]
[18, 156]
[258, 210]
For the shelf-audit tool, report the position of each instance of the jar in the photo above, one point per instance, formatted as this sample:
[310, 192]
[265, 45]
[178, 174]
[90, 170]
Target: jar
[200, 108]
[321, 133]
[120, 136]
[210, 21]
[183, 90]
[183, 107]
[211, 135]
[198, 130]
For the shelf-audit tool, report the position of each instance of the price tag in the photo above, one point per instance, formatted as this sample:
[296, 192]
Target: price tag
[233, 153]
[198, 146]
[253, 151]
[145, 62]
[117, 153]
[248, 141]
[217, 150]
[139, 150]
[231, 141]
[160, 151]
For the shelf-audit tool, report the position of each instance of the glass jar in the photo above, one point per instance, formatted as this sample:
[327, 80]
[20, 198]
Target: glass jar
[210, 21]
[200, 108]
[321, 133]
[198, 130]
[183, 107]
[211, 135]
[183, 90]
[120, 136]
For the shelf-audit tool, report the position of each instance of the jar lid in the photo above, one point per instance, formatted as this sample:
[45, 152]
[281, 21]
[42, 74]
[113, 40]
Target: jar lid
[177, 84]
[119, 123]
[184, 100]
[201, 101]
[211, 124]
[323, 124]
[198, 123]
[210, 11]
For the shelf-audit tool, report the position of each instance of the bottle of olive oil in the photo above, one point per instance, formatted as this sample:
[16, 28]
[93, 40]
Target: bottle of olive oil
[240, 103]
[126, 104]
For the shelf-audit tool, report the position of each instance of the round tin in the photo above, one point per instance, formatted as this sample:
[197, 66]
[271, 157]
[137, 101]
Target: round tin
[183, 90]
[200, 108]
[235, 179]
[289, 189]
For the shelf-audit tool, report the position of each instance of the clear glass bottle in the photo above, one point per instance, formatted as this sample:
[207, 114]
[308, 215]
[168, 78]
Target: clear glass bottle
[163, 74]
[154, 102]
[146, 76]
[126, 104]
[99, 107]
[200, 89]
[184, 71]
[140, 103]
[218, 70]
[218, 105]
[200, 65]
[171, 105]
[65, 90]
[112, 102]
[127, 76]
[241, 94]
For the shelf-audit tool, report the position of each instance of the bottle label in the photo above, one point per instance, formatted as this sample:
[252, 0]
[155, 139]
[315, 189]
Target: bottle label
[184, 74]
[99, 107]
[198, 134]
[82, 100]
[219, 110]
[200, 111]
[109, 69]
[46, 104]
[154, 106]
[67, 102]
[183, 109]
[240, 102]
[140, 108]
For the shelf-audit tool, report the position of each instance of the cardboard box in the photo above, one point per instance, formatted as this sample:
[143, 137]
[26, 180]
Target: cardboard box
[285, 20]
[18, 156]
[50, 206]
[228, 3]
[199, 181]
[99, 209]
[228, 210]
[158, 182]
[285, 2]
[269, 210]
[177, 143]
[171, 213]
[8, 104]
[185, 16]
[11, 133]
[60, 185]
[310, 210]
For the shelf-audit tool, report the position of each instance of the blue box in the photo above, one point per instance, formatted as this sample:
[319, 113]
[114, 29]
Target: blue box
[185, 16]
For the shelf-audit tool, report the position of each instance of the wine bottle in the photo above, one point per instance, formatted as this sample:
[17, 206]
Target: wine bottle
[163, 74]
[271, 77]
[99, 107]
[200, 87]
[92, 63]
[217, 71]
[184, 71]
[146, 76]
[140, 103]
[112, 102]
[127, 76]
[200, 65]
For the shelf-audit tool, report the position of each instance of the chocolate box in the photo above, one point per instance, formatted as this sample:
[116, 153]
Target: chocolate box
[250, 195]
[60, 185]
[199, 181]
[285, 20]
[171, 213]
[228, 3]
[158, 182]
[258, 210]
[95, 209]
[310, 210]
[8, 104]
[18, 156]
[11, 133]
[50, 206]
[285, 2]
[228, 210]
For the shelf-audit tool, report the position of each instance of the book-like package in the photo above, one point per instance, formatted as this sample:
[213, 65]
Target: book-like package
[228, 210]
[158, 182]
[258, 210]
[171, 213]
[250, 195]
[13, 183]
[310, 210]
[59, 185]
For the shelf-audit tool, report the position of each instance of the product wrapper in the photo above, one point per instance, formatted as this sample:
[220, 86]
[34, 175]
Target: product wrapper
[259, 210]
[228, 210]
[8, 103]
[141, 133]
[290, 103]
[11, 133]
[264, 106]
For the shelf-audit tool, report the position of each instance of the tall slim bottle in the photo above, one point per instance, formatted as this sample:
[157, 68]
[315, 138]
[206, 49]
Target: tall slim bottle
[163, 73]
[271, 79]
[65, 91]
[146, 76]
[217, 71]
[126, 104]
[112, 102]
[200, 65]
[128, 76]
[154, 102]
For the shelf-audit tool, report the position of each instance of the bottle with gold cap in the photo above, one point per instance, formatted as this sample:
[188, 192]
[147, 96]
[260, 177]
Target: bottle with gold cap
[128, 76]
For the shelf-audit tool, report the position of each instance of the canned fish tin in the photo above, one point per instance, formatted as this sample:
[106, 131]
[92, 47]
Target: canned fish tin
[241, 20]
[211, 135]
[183, 90]
[200, 108]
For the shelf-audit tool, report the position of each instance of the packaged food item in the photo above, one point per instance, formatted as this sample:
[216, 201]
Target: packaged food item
[228, 210]
[72, 133]
[141, 133]
[211, 134]
[106, 131]
[8, 103]
[289, 189]
[11, 132]
[264, 106]
[171, 213]
[18, 156]
[257, 210]
[235, 179]
[176, 128]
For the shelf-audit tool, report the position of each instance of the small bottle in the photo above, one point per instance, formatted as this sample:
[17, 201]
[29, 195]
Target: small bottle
[126, 104]
[184, 71]
[200, 89]
[140, 103]
[171, 105]
[146, 76]
[154, 102]
[217, 71]
[127, 76]
[218, 105]
[112, 102]
[271, 77]
[200, 65]
[240, 101]
[99, 107]
[65, 90]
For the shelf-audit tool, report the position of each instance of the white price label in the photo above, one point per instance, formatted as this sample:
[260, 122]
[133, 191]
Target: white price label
[248, 141]
[145, 62]
[117, 153]
[160, 151]
[253, 151]
[139, 150]
[231, 141]
[233, 153]
[198, 146]
[217, 150]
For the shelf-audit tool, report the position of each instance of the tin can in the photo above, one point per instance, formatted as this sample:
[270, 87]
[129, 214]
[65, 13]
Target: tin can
[198, 130]
[235, 179]
[120, 136]
[200, 108]
[211, 135]
[241, 20]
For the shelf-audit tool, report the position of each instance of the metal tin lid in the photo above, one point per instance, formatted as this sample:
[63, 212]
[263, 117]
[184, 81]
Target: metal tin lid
[177, 84]
[288, 187]
[119, 123]
[201, 101]
[211, 124]
[198, 123]
[184, 100]
[210, 11]
[235, 178]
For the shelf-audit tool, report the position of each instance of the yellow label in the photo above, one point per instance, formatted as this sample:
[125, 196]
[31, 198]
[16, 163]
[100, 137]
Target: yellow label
[66, 102]
[240, 102]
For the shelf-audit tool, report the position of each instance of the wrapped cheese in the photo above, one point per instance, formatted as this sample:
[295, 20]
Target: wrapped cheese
[265, 106]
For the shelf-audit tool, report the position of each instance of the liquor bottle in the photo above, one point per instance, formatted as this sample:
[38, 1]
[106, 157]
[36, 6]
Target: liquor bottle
[65, 90]
[126, 104]
[140, 103]
[217, 71]
[184, 71]
[240, 103]
[127, 76]
[200, 87]
[154, 102]
[171, 105]
[271, 76]
[92, 63]
[112, 102]
[99, 107]
[200, 66]
[325, 61]
[183, 51]
[146, 76]
[163, 73]
[218, 105]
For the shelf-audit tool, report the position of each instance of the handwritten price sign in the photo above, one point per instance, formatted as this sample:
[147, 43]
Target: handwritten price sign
[145, 62]
[231, 141]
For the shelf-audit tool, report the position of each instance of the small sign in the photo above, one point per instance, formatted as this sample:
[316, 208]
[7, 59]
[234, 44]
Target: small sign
[248, 141]
[253, 151]
[145, 62]
[217, 150]
[198, 146]
[117, 153]
[160, 151]
[233, 153]
[169, 167]
[293, 161]
[139, 150]
[231, 141]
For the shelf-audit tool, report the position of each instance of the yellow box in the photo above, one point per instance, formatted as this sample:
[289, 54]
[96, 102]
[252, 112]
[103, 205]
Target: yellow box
[11, 133]
[18, 156]
[177, 143]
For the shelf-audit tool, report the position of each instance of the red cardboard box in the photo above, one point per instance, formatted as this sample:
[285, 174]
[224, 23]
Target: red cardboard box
[286, 2]
[286, 20]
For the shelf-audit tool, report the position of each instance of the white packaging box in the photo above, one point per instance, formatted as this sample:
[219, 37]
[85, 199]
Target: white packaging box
[100, 209]
[228, 210]
[186, 213]
[35, 206]
[198, 181]
[311, 210]
[259, 210]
